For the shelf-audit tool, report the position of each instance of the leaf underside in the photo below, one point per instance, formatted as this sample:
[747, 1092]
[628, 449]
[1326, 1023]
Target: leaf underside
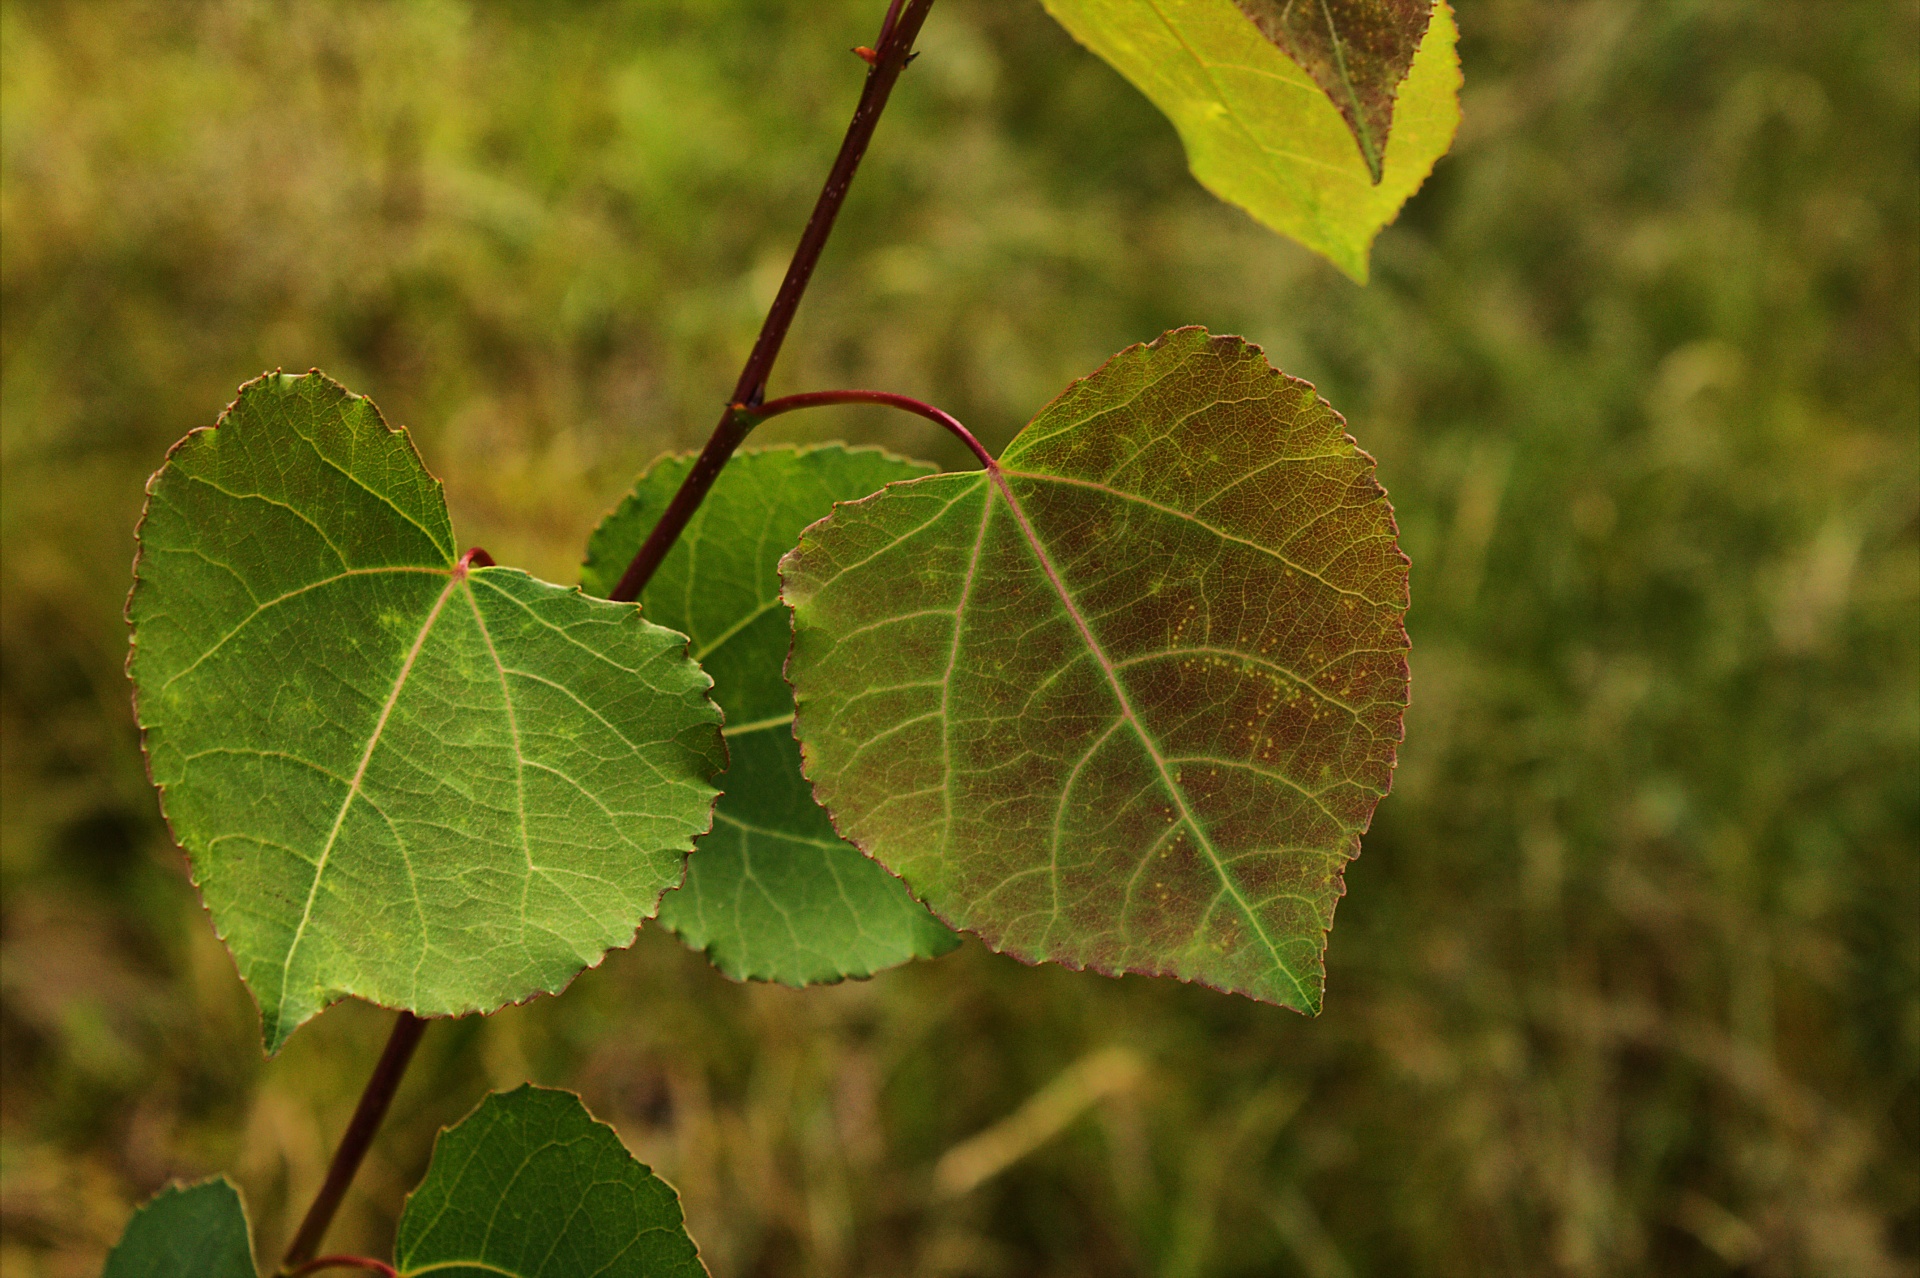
[530, 1185]
[435, 788]
[1357, 51]
[772, 893]
[186, 1231]
[1127, 699]
[1260, 132]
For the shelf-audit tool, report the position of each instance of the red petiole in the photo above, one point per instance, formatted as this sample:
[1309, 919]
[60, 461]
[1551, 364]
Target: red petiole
[367, 1263]
[823, 399]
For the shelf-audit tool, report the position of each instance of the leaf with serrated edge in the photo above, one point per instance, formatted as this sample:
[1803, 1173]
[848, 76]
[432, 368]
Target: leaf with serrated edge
[1259, 132]
[1357, 51]
[772, 893]
[1127, 699]
[530, 1185]
[431, 786]
[186, 1231]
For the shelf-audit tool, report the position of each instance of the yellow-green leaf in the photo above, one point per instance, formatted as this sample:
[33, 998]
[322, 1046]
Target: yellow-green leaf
[1259, 132]
[1357, 51]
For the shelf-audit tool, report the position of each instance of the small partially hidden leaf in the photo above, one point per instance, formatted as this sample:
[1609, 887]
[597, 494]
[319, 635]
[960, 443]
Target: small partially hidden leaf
[1259, 130]
[772, 893]
[186, 1231]
[1127, 699]
[530, 1186]
[1358, 51]
[437, 786]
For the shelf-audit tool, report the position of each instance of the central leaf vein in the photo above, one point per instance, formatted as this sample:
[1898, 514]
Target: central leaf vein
[1147, 742]
[360, 774]
[519, 756]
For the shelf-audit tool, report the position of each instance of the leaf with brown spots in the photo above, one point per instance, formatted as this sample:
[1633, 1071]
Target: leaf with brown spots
[1270, 120]
[1126, 699]
[1358, 51]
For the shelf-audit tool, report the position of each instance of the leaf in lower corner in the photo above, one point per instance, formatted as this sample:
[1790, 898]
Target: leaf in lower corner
[773, 893]
[186, 1231]
[1259, 131]
[530, 1185]
[1358, 51]
[1128, 699]
[435, 787]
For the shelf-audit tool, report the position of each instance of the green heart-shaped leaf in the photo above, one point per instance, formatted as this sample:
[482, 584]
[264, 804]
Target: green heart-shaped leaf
[435, 786]
[1127, 699]
[1261, 133]
[772, 893]
[186, 1231]
[530, 1186]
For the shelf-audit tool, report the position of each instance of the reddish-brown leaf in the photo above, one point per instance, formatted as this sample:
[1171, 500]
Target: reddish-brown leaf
[1127, 698]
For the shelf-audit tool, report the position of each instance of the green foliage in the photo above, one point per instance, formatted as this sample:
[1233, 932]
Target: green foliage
[527, 1186]
[1630, 961]
[1126, 699]
[437, 787]
[186, 1231]
[772, 893]
[530, 1186]
[1259, 131]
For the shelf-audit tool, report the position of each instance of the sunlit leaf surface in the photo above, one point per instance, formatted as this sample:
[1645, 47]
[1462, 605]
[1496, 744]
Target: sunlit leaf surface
[1260, 133]
[186, 1231]
[530, 1186]
[434, 787]
[1127, 699]
[772, 893]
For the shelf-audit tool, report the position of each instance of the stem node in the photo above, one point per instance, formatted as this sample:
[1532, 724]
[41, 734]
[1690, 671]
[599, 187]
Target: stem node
[892, 51]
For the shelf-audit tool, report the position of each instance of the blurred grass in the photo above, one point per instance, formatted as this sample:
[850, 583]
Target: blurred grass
[1629, 977]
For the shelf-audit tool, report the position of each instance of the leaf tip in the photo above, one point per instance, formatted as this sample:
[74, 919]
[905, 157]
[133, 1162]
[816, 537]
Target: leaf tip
[199, 1229]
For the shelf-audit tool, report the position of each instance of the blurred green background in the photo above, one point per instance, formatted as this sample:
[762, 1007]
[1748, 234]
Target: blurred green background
[1628, 980]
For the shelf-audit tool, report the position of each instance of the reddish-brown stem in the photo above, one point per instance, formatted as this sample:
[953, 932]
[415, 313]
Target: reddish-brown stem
[891, 55]
[354, 1142]
[893, 50]
[886, 399]
[886, 24]
[367, 1263]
